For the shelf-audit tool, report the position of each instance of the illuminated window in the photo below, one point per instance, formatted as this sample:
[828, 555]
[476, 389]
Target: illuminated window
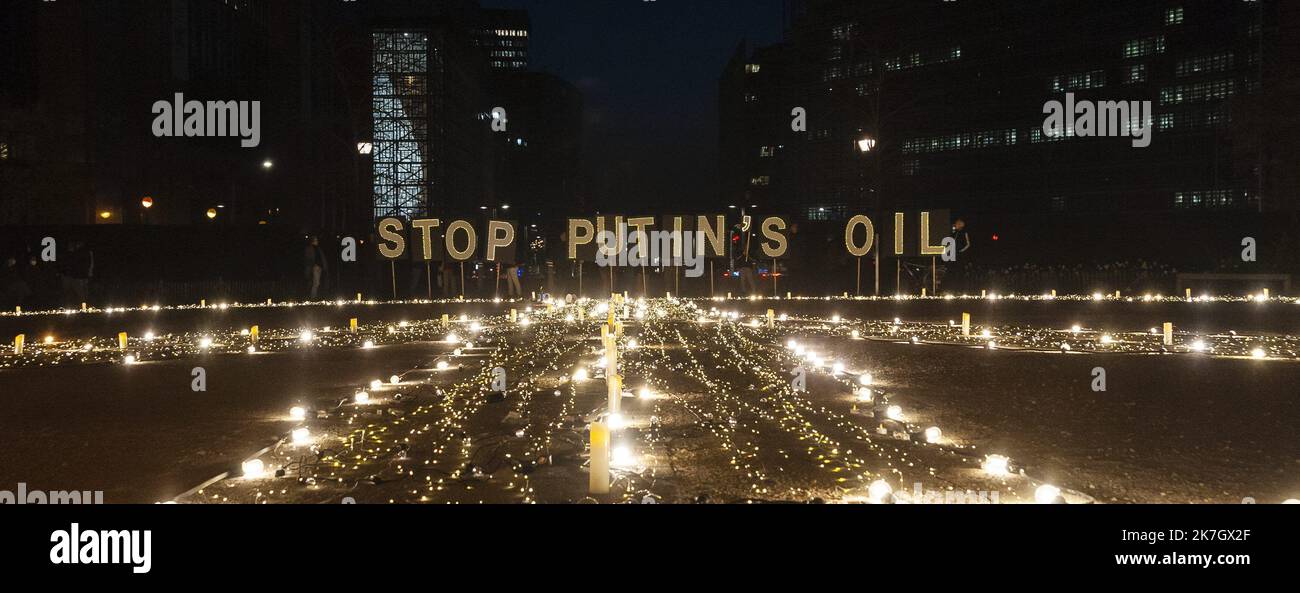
[753, 68]
[4, 151]
[1174, 16]
[1198, 92]
[1195, 119]
[918, 59]
[826, 212]
[766, 151]
[1144, 47]
[1082, 80]
[761, 180]
[960, 141]
[1216, 199]
[1137, 73]
[1202, 64]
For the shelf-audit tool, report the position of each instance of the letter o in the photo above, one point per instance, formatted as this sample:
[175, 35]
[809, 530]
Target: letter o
[854, 250]
[471, 244]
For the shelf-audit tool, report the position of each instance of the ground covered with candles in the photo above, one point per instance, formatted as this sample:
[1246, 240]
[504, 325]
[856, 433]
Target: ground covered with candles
[721, 401]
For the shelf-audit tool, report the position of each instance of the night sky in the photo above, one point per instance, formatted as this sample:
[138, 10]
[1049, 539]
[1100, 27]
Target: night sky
[649, 75]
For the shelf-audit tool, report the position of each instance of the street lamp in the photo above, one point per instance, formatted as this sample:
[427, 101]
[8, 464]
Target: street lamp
[267, 164]
[146, 202]
[212, 213]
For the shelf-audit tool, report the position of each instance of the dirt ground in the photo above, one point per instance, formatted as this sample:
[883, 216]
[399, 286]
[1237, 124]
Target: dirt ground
[1168, 428]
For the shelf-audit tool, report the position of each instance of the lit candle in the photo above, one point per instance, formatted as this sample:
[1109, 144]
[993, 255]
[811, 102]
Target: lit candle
[599, 482]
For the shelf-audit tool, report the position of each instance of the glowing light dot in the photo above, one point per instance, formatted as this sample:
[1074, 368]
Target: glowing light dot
[394, 380]
[297, 413]
[1258, 353]
[368, 344]
[933, 434]
[301, 436]
[894, 413]
[130, 359]
[362, 397]
[442, 365]
[580, 375]
[205, 343]
[645, 393]
[632, 344]
[307, 336]
[865, 379]
[376, 384]
[879, 490]
[253, 469]
[997, 465]
[1047, 494]
[621, 456]
[49, 339]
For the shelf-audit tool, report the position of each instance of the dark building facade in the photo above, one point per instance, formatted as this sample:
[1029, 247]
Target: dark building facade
[539, 152]
[368, 109]
[941, 105]
[78, 84]
[503, 34]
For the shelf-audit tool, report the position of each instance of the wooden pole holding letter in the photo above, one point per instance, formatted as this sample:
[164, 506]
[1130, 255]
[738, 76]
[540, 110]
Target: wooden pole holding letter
[877, 243]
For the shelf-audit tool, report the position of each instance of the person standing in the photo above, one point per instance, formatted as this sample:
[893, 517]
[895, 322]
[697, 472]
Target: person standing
[513, 289]
[314, 266]
[956, 274]
[960, 235]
